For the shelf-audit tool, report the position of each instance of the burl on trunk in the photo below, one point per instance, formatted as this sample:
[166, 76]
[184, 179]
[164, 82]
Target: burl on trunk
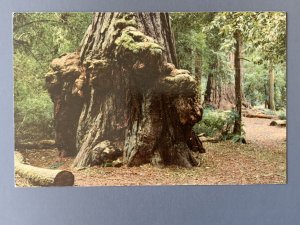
[122, 94]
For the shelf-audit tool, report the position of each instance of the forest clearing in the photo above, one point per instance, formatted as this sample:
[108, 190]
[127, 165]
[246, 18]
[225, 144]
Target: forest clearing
[119, 99]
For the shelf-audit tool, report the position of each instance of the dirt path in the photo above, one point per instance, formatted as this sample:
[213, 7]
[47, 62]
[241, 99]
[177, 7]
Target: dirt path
[259, 131]
[261, 161]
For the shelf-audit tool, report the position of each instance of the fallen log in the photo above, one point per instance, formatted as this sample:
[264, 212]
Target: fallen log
[279, 123]
[36, 145]
[259, 115]
[209, 139]
[41, 176]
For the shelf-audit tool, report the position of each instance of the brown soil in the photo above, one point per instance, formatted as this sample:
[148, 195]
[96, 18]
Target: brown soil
[259, 131]
[261, 161]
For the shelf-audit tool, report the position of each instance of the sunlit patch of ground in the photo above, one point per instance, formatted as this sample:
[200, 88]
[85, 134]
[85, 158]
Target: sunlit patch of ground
[261, 161]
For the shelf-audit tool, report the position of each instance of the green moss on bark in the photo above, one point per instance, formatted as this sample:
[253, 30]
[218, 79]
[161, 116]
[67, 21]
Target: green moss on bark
[136, 42]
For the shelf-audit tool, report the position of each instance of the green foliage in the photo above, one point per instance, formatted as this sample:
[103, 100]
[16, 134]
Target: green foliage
[216, 123]
[269, 112]
[263, 31]
[236, 138]
[190, 40]
[39, 38]
[48, 35]
[212, 123]
[193, 41]
[282, 115]
[264, 36]
[256, 83]
[211, 35]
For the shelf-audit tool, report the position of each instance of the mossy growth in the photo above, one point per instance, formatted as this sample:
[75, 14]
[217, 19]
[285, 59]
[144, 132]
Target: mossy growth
[126, 21]
[137, 42]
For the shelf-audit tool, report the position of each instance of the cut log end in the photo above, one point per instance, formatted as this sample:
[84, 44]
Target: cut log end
[279, 123]
[64, 178]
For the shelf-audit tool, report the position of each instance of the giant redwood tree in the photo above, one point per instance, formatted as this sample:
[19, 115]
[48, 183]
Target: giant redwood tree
[122, 90]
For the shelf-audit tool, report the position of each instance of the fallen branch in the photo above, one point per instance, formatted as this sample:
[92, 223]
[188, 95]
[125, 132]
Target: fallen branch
[42, 176]
[36, 145]
[209, 139]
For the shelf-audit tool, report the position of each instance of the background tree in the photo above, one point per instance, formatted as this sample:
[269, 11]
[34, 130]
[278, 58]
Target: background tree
[250, 26]
[199, 51]
[269, 37]
[191, 47]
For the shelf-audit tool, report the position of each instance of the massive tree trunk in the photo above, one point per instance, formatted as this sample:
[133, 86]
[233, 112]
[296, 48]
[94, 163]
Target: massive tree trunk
[128, 93]
[219, 93]
[238, 86]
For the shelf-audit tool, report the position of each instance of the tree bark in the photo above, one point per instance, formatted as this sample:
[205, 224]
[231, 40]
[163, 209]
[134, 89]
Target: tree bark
[219, 94]
[65, 71]
[208, 90]
[266, 96]
[271, 87]
[132, 94]
[198, 74]
[238, 88]
[196, 70]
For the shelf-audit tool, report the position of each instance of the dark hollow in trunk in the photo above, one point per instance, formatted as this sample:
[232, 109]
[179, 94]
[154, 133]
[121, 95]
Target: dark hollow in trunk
[126, 89]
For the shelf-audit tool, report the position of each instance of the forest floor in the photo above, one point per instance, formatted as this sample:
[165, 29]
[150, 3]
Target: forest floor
[261, 161]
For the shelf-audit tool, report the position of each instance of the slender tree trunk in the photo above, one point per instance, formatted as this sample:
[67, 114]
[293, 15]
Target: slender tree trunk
[271, 87]
[245, 103]
[208, 91]
[193, 64]
[242, 69]
[266, 96]
[238, 88]
[275, 95]
[198, 74]
[196, 70]
[134, 98]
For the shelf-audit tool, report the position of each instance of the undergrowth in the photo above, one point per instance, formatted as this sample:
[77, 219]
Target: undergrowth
[220, 124]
